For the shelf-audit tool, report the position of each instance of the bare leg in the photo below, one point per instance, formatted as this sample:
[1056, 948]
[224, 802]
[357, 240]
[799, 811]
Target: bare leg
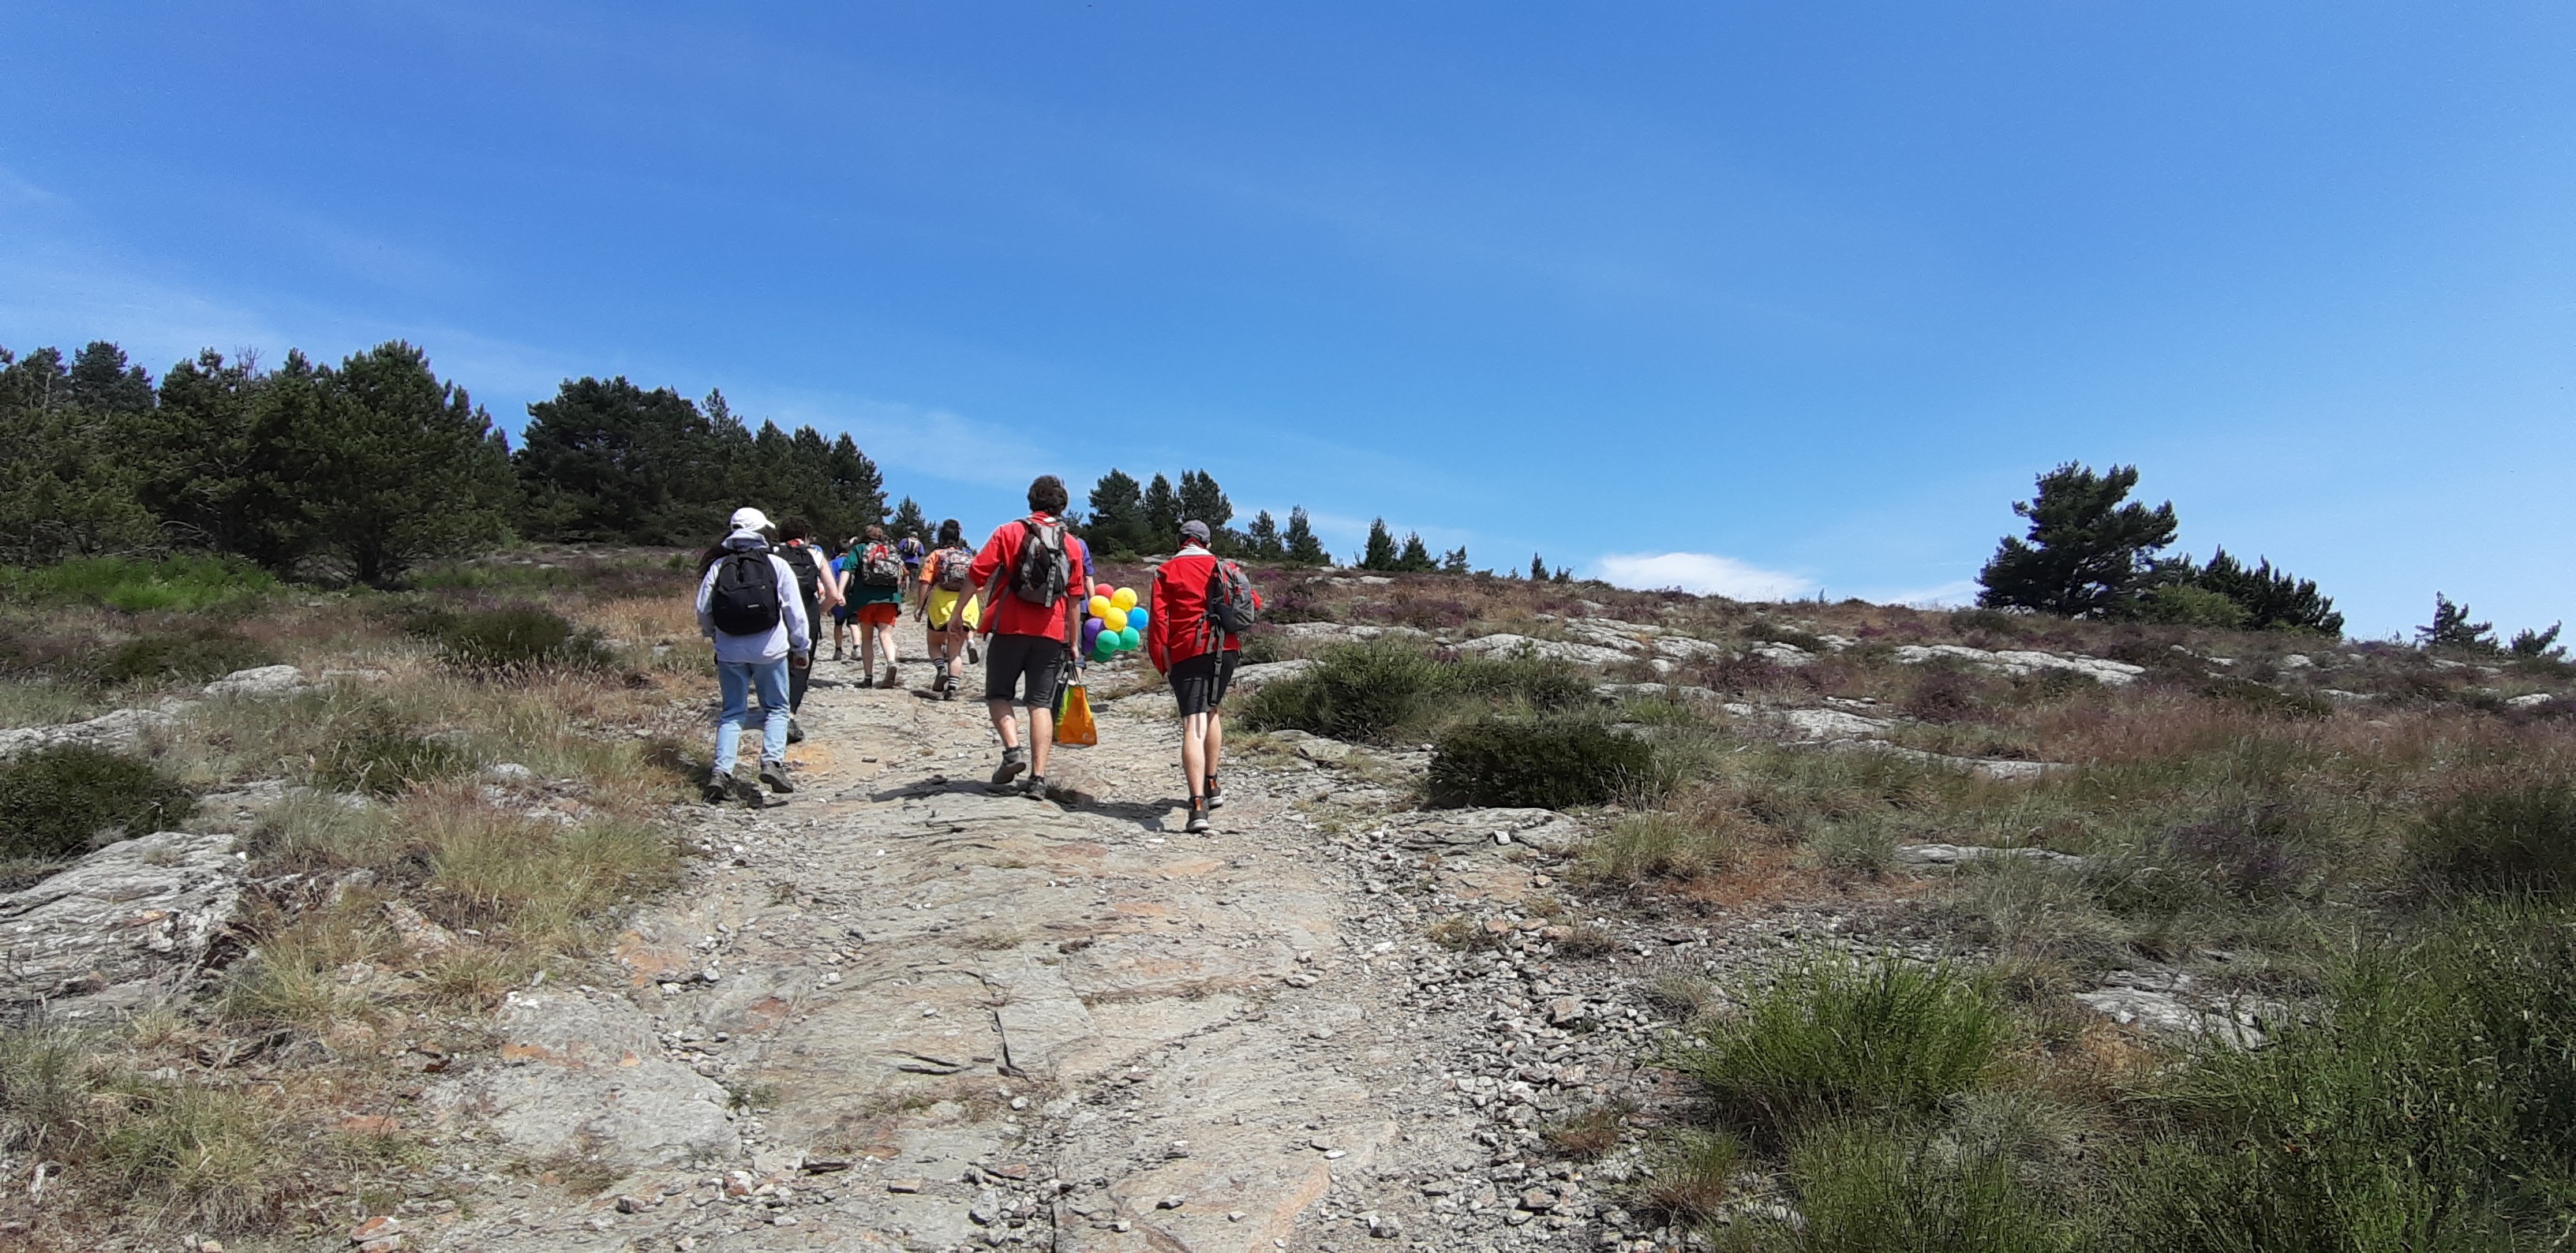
[1041, 737]
[1194, 753]
[1004, 724]
[1215, 743]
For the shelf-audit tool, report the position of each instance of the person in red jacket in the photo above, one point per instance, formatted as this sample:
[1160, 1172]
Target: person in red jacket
[1185, 644]
[1031, 625]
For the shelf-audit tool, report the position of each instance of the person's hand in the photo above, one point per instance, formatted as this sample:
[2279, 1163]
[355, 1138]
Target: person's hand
[801, 661]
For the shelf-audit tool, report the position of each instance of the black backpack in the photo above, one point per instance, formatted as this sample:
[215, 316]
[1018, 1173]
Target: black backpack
[881, 565]
[808, 570]
[1231, 608]
[956, 568]
[744, 600]
[1043, 572]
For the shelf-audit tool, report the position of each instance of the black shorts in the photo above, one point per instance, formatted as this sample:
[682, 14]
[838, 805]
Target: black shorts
[1199, 683]
[1010, 658]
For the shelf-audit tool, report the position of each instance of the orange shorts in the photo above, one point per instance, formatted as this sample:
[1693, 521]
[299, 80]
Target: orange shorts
[881, 614]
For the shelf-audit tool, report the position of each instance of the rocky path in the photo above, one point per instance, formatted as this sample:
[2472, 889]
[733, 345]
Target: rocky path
[898, 1012]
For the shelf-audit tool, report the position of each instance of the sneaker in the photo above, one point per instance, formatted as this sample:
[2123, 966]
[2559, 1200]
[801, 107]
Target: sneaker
[1014, 760]
[747, 792]
[973, 658]
[1036, 788]
[890, 679]
[1215, 798]
[795, 732]
[714, 792]
[1199, 824]
[867, 681]
[774, 773]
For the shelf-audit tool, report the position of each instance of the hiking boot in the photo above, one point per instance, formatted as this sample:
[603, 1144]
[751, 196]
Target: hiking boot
[714, 792]
[1014, 760]
[1215, 798]
[973, 658]
[867, 680]
[747, 792]
[795, 732]
[774, 773]
[890, 679]
[1198, 824]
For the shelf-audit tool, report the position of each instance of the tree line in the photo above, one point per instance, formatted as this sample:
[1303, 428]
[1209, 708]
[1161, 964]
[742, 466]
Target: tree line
[367, 468]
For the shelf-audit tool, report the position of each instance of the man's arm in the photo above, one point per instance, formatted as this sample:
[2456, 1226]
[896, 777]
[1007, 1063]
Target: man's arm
[791, 607]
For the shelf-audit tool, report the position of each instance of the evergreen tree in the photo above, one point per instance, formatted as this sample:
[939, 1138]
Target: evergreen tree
[1202, 499]
[908, 520]
[1117, 514]
[1416, 556]
[2451, 628]
[2086, 551]
[1303, 548]
[1538, 569]
[1261, 539]
[1380, 553]
[67, 486]
[2543, 644]
[2272, 599]
[198, 464]
[1456, 561]
[1162, 532]
[857, 491]
[388, 464]
[605, 460]
[102, 382]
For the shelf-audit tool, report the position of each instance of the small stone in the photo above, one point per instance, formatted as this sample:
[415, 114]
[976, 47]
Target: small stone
[377, 1228]
[1385, 1227]
[1234, 1215]
[903, 1185]
[1171, 1202]
[1335, 1155]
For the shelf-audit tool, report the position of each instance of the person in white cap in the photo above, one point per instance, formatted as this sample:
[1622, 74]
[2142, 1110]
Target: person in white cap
[749, 604]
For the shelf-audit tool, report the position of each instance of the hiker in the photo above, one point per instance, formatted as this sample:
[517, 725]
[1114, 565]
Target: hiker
[947, 604]
[1200, 602]
[911, 548]
[1031, 577]
[876, 594]
[845, 619]
[748, 603]
[819, 589]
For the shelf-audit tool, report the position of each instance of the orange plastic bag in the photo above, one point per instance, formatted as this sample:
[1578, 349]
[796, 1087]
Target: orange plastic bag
[1073, 724]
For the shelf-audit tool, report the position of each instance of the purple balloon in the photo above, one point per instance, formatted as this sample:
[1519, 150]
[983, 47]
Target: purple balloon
[1090, 633]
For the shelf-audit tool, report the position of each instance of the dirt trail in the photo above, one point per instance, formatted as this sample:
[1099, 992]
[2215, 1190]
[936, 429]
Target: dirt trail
[962, 1021]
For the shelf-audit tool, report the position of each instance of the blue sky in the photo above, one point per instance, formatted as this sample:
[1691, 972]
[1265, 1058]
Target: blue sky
[1789, 297]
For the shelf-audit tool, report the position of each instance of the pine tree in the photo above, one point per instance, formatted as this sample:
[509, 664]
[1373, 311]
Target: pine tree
[1416, 557]
[1162, 532]
[1456, 561]
[1261, 539]
[1538, 569]
[2543, 644]
[1117, 515]
[1303, 548]
[388, 464]
[858, 491]
[2086, 552]
[2272, 599]
[1203, 500]
[1380, 553]
[100, 380]
[607, 460]
[67, 487]
[2451, 628]
[908, 520]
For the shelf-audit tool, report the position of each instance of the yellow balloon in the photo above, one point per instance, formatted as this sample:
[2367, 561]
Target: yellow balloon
[1114, 620]
[1123, 598]
[1100, 606]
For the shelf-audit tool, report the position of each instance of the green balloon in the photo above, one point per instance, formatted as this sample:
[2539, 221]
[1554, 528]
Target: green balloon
[1129, 640]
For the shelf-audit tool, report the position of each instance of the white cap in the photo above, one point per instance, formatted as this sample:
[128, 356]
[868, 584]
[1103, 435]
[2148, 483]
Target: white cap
[750, 519]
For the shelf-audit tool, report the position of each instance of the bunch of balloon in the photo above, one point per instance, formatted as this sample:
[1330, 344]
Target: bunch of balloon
[1116, 624]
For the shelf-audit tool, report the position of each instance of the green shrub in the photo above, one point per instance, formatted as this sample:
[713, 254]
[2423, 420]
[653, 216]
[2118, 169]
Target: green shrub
[2518, 839]
[1372, 691]
[1544, 763]
[382, 756]
[1838, 1037]
[53, 802]
[171, 584]
[1872, 1187]
[2181, 604]
[513, 637]
[2265, 698]
[2430, 1105]
[191, 654]
[1656, 845]
[1691, 1174]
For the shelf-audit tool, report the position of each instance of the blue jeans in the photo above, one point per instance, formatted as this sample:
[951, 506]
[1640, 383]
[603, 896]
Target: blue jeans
[739, 679]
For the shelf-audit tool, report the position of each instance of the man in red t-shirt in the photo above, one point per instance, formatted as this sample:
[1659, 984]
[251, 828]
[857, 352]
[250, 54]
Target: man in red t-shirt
[1030, 626]
[1185, 644]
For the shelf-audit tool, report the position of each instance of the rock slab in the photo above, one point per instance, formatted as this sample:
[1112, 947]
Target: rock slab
[124, 929]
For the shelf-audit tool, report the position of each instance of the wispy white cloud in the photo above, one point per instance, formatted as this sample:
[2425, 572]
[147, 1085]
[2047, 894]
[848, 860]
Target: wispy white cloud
[1705, 573]
[920, 439]
[1951, 595]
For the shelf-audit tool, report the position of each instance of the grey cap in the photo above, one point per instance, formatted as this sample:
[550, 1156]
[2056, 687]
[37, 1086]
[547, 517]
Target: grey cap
[1196, 530]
